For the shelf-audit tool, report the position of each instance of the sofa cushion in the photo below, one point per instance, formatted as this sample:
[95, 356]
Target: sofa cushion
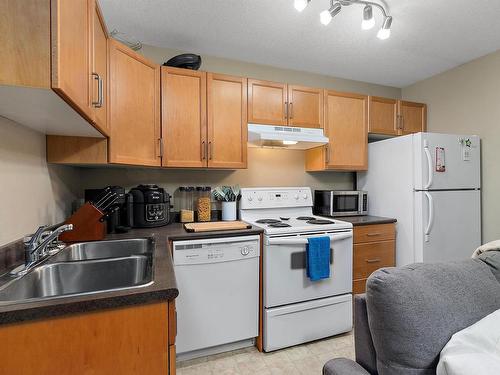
[414, 310]
[492, 259]
[343, 366]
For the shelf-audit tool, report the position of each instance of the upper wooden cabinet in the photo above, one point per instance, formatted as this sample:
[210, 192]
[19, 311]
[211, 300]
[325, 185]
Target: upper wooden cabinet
[184, 131]
[98, 67]
[204, 119]
[134, 107]
[413, 117]
[267, 102]
[47, 58]
[305, 107]
[227, 121]
[346, 126]
[383, 116]
[272, 103]
[396, 117]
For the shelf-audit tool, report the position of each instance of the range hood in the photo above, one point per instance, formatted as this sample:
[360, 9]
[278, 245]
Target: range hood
[285, 137]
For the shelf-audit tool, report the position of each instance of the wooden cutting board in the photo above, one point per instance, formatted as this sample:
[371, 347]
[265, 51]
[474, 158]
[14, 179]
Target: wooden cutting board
[216, 225]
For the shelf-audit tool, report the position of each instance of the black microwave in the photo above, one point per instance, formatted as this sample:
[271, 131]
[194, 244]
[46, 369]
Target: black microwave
[340, 203]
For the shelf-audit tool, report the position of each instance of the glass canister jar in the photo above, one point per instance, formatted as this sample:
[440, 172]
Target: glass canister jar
[204, 205]
[187, 213]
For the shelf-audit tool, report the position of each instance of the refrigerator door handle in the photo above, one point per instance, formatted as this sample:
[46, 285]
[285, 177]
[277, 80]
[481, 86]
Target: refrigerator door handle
[429, 164]
[430, 222]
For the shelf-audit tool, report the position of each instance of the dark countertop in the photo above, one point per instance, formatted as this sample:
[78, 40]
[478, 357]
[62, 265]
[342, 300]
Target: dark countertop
[164, 286]
[366, 220]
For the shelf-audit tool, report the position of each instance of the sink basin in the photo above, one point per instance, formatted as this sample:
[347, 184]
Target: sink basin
[80, 277]
[105, 249]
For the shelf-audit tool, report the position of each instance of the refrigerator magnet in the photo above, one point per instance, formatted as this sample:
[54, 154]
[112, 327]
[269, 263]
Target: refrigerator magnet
[440, 160]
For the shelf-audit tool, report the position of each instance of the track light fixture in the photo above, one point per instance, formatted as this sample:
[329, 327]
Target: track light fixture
[368, 21]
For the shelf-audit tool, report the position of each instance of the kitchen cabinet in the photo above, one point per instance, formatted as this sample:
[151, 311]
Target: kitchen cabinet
[99, 67]
[383, 116]
[204, 119]
[374, 247]
[272, 103]
[396, 117]
[227, 121]
[184, 124]
[125, 340]
[134, 108]
[47, 59]
[413, 117]
[346, 126]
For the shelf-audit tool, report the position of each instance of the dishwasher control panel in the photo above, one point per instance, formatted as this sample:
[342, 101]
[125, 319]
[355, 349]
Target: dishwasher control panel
[215, 250]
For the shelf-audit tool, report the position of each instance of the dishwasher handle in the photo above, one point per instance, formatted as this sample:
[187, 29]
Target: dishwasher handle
[303, 240]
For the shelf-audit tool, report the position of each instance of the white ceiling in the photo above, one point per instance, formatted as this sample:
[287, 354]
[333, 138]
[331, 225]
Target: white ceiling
[428, 36]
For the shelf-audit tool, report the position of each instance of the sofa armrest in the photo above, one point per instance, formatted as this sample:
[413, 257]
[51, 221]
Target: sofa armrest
[363, 343]
[343, 366]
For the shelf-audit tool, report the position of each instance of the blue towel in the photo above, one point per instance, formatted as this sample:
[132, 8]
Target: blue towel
[318, 258]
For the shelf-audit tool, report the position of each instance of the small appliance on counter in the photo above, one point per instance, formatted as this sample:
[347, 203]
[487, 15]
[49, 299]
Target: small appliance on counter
[149, 205]
[117, 217]
[340, 203]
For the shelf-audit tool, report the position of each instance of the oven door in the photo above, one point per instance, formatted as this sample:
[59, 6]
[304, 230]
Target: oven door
[285, 279]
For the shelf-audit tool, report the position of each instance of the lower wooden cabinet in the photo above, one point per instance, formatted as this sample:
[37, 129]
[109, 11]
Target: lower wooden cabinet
[346, 126]
[128, 340]
[374, 248]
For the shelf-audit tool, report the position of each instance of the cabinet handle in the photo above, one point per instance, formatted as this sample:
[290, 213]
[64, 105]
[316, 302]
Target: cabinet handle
[402, 122]
[327, 156]
[95, 104]
[210, 150]
[160, 147]
[291, 110]
[101, 93]
[286, 110]
[375, 260]
[203, 150]
[373, 234]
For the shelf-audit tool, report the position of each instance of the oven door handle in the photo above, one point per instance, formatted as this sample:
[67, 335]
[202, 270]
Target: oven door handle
[303, 240]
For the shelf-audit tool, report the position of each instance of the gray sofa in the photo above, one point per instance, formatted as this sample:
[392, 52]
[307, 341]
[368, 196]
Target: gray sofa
[408, 314]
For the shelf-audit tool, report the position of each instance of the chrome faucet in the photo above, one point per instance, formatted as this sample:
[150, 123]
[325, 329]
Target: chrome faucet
[39, 246]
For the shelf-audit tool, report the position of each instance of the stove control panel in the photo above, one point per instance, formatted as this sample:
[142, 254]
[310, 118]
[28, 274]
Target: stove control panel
[275, 197]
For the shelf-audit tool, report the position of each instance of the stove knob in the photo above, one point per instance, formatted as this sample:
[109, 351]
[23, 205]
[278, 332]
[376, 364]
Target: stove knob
[259, 198]
[249, 198]
[245, 250]
[296, 196]
[304, 196]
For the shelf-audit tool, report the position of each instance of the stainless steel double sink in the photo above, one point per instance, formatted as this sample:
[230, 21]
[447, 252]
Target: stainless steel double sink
[85, 268]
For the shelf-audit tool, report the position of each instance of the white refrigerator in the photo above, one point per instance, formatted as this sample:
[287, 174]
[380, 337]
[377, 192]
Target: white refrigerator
[431, 183]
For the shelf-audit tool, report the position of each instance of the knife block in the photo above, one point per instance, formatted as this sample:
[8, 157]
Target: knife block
[87, 225]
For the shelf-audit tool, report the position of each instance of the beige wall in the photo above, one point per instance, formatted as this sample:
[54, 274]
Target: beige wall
[467, 100]
[31, 193]
[265, 72]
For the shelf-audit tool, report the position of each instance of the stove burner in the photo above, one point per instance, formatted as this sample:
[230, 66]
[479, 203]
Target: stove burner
[279, 225]
[304, 218]
[268, 221]
[320, 222]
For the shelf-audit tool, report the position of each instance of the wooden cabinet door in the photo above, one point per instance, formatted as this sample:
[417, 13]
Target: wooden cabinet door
[184, 128]
[346, 125]
[413, 117]
[227, 121]
[383, 116]
[70, 53]
[267, 102]
[305, 107]
[134, 107]
[99, 66]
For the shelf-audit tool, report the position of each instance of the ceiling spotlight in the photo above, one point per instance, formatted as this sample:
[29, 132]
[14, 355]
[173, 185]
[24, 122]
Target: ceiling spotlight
[300, 5]
[385, 30]
[368, 20]
[326, 16]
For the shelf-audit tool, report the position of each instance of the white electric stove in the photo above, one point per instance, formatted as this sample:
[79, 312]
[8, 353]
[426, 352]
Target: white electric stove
[297, 310]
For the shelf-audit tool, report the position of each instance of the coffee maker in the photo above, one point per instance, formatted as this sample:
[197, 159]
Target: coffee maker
[118, 218]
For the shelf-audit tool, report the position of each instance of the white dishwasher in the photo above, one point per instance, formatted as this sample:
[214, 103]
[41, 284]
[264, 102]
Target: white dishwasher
[218, 303]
